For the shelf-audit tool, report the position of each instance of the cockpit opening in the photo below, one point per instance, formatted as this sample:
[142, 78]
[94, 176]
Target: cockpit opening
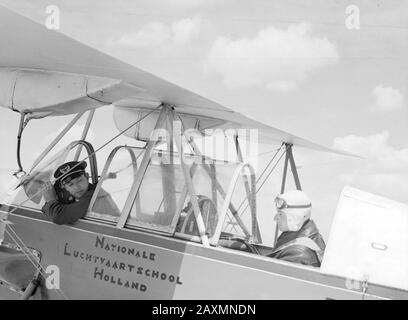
[162, 188]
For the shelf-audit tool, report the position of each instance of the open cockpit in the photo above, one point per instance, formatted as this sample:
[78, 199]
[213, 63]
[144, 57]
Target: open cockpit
[161, 187]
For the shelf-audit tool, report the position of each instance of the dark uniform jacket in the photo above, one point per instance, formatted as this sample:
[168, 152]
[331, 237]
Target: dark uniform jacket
[61, 213]
[299, 253]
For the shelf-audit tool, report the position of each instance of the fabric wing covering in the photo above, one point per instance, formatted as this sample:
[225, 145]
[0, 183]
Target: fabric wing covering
[45, 73]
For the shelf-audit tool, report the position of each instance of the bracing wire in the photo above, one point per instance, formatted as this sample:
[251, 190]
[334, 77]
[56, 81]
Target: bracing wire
[37, 265]
[267, 177]
[263, 172]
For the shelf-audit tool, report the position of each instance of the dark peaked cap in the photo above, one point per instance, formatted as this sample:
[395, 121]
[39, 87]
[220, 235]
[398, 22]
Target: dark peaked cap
[69, 170]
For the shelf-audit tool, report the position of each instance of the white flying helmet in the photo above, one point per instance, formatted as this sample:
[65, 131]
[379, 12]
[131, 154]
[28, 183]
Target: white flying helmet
[294, 208]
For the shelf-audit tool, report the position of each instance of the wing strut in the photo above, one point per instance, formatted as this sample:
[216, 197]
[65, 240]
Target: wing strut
[23, 123]
[288, 158]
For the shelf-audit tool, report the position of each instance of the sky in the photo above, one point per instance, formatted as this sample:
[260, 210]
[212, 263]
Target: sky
[334, 72]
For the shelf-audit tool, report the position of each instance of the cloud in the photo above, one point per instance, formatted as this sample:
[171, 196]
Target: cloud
[276, 59]
[194, 3]
[156, 34]
[185, 29]
[377, 150]
[384, 170]
[386, 99]
[281, 86]
[152, 34]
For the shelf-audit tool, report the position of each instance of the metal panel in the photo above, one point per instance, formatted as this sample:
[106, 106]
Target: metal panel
[371, 234]
[203, 272]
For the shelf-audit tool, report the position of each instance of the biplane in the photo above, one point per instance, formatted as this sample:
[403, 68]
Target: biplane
[188, 226]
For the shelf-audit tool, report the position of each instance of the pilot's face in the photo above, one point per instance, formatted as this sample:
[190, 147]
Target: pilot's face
[77, 186]
[282, 220]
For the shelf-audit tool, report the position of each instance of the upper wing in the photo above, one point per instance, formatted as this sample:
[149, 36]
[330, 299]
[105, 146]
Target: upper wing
[44, 73]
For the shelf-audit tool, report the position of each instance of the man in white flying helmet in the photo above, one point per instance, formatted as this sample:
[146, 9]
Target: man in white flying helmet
[300, 241]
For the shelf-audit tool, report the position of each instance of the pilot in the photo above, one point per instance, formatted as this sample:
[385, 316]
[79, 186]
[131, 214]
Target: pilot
[74, 193]
[300, 241]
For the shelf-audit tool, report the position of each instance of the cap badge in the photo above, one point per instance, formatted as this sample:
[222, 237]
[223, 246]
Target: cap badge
[65, 169]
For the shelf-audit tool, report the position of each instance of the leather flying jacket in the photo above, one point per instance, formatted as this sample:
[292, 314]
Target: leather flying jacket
[298, 253]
